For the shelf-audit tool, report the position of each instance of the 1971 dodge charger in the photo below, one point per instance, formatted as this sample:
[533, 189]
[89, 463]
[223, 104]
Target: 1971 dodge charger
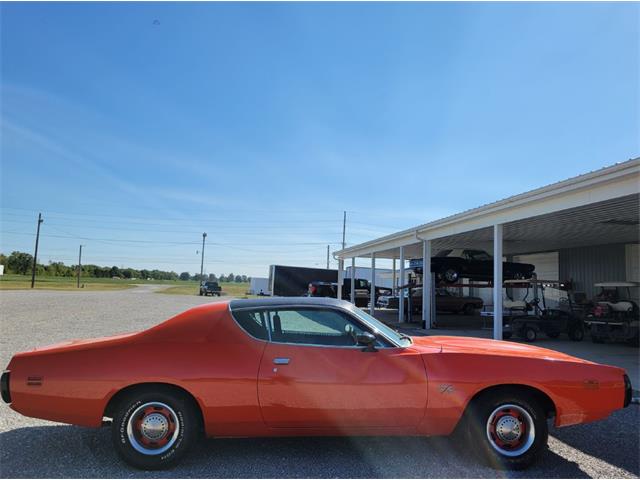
[307, 366]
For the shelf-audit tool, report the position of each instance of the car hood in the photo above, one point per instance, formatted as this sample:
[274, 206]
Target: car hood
[491, 347]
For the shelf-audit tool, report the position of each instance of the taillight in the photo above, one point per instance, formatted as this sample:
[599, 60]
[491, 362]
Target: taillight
[312, 289]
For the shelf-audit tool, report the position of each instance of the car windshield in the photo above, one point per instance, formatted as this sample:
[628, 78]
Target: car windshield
[478, 255]
[398, 338]
[443, 253]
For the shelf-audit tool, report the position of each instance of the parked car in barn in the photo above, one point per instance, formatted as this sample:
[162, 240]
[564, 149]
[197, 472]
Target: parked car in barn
[445, 302]
[307, 366]
[453, 264]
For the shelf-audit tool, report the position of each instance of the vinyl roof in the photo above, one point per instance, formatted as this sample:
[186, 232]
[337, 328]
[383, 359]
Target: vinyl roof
[286, 301]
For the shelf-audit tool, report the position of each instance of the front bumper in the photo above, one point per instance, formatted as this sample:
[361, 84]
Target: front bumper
[628, 391]
[4, 386]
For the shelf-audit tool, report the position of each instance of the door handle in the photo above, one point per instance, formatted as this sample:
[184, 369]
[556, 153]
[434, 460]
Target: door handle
[281, 361]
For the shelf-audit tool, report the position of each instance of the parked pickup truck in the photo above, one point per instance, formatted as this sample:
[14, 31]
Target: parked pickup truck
[210, 288]
[362, 290]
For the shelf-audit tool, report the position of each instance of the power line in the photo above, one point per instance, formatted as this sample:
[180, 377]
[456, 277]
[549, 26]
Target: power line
[166, 242]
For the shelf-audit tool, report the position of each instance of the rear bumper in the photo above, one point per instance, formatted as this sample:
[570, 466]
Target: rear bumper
[4, 386]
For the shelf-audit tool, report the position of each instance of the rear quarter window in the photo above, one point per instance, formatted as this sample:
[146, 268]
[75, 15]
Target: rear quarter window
[252, 322]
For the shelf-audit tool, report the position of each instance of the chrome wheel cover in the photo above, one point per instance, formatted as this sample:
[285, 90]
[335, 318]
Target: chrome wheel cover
[510, 430]
[153, 428]
[451, 275]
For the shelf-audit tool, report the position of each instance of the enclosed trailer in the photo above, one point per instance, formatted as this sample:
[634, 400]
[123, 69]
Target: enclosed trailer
[285, 281]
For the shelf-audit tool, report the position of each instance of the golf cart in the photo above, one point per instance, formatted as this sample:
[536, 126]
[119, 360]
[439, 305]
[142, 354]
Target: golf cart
[542, 319]
[615, 315]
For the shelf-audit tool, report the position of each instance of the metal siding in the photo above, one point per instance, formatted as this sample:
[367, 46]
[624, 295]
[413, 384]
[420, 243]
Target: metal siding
[589, 265]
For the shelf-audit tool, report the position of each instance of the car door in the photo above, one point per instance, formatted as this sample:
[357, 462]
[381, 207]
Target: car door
[313, 375]
[444, 301]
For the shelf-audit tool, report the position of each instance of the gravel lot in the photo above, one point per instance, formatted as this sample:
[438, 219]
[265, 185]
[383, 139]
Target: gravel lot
[36, 448]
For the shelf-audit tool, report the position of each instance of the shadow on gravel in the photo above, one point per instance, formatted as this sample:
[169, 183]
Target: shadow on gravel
[67, 451]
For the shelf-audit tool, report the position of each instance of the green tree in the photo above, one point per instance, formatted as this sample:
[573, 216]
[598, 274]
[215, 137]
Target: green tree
[19, 262]
[238, 279]
[212, 277]
[185, 276]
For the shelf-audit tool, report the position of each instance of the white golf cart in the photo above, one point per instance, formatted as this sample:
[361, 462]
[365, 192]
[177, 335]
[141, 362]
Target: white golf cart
[615, 315]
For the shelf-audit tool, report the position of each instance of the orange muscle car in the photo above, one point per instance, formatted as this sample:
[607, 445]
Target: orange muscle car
[307, 366]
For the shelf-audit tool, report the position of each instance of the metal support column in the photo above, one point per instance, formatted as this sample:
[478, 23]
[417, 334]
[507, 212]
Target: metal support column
[401, 290]
[353, 280]
[393, 277]
[340, 279]
[497, 282]
[372, 306]
[426, 284]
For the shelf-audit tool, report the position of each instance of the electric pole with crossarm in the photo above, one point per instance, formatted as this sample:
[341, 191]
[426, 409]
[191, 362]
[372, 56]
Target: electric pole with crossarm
[35, 254]
[204, 235]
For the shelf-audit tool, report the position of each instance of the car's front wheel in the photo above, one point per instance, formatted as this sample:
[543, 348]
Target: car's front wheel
[153, 430]
[508, 430]
[450, 275]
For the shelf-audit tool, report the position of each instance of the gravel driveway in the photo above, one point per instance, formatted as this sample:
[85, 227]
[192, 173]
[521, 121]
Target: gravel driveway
[37, 448]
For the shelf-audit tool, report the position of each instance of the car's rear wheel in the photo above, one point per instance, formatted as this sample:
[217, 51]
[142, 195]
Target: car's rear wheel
[576, 334]
[530, 334]
[153, 430]
[508, 430]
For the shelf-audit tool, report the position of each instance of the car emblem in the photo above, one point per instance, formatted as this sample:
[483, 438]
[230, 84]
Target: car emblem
[446, 388]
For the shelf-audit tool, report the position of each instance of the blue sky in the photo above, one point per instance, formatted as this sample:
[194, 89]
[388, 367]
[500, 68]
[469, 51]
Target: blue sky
[133, 128]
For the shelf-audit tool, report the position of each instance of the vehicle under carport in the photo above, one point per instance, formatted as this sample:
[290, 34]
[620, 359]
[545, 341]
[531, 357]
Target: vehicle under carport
[583, 230]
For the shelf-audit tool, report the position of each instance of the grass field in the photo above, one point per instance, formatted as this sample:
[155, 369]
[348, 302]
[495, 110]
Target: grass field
[174, 287]
[191, 288]
[22, 282]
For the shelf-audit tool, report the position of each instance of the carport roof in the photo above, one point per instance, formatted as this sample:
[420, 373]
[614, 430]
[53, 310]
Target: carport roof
[595, 208]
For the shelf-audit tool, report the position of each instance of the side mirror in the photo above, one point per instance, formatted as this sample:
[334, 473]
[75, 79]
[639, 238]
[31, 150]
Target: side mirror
[367, 340]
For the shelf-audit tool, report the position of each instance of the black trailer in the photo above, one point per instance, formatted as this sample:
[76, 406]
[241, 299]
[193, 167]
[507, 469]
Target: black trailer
[286, 281]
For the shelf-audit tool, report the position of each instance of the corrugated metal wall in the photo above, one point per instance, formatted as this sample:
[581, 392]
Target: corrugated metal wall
[589, 265]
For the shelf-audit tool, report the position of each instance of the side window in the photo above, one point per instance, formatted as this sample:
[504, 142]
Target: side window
[252, 322]
[313, 326]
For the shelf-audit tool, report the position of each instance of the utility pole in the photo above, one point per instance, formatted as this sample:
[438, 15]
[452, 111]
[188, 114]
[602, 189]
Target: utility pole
[79, 265]
[327, 257]
[35, 254]
[344, 227]
[204, 235]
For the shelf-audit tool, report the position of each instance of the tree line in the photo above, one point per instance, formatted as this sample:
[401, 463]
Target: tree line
[21, 263]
